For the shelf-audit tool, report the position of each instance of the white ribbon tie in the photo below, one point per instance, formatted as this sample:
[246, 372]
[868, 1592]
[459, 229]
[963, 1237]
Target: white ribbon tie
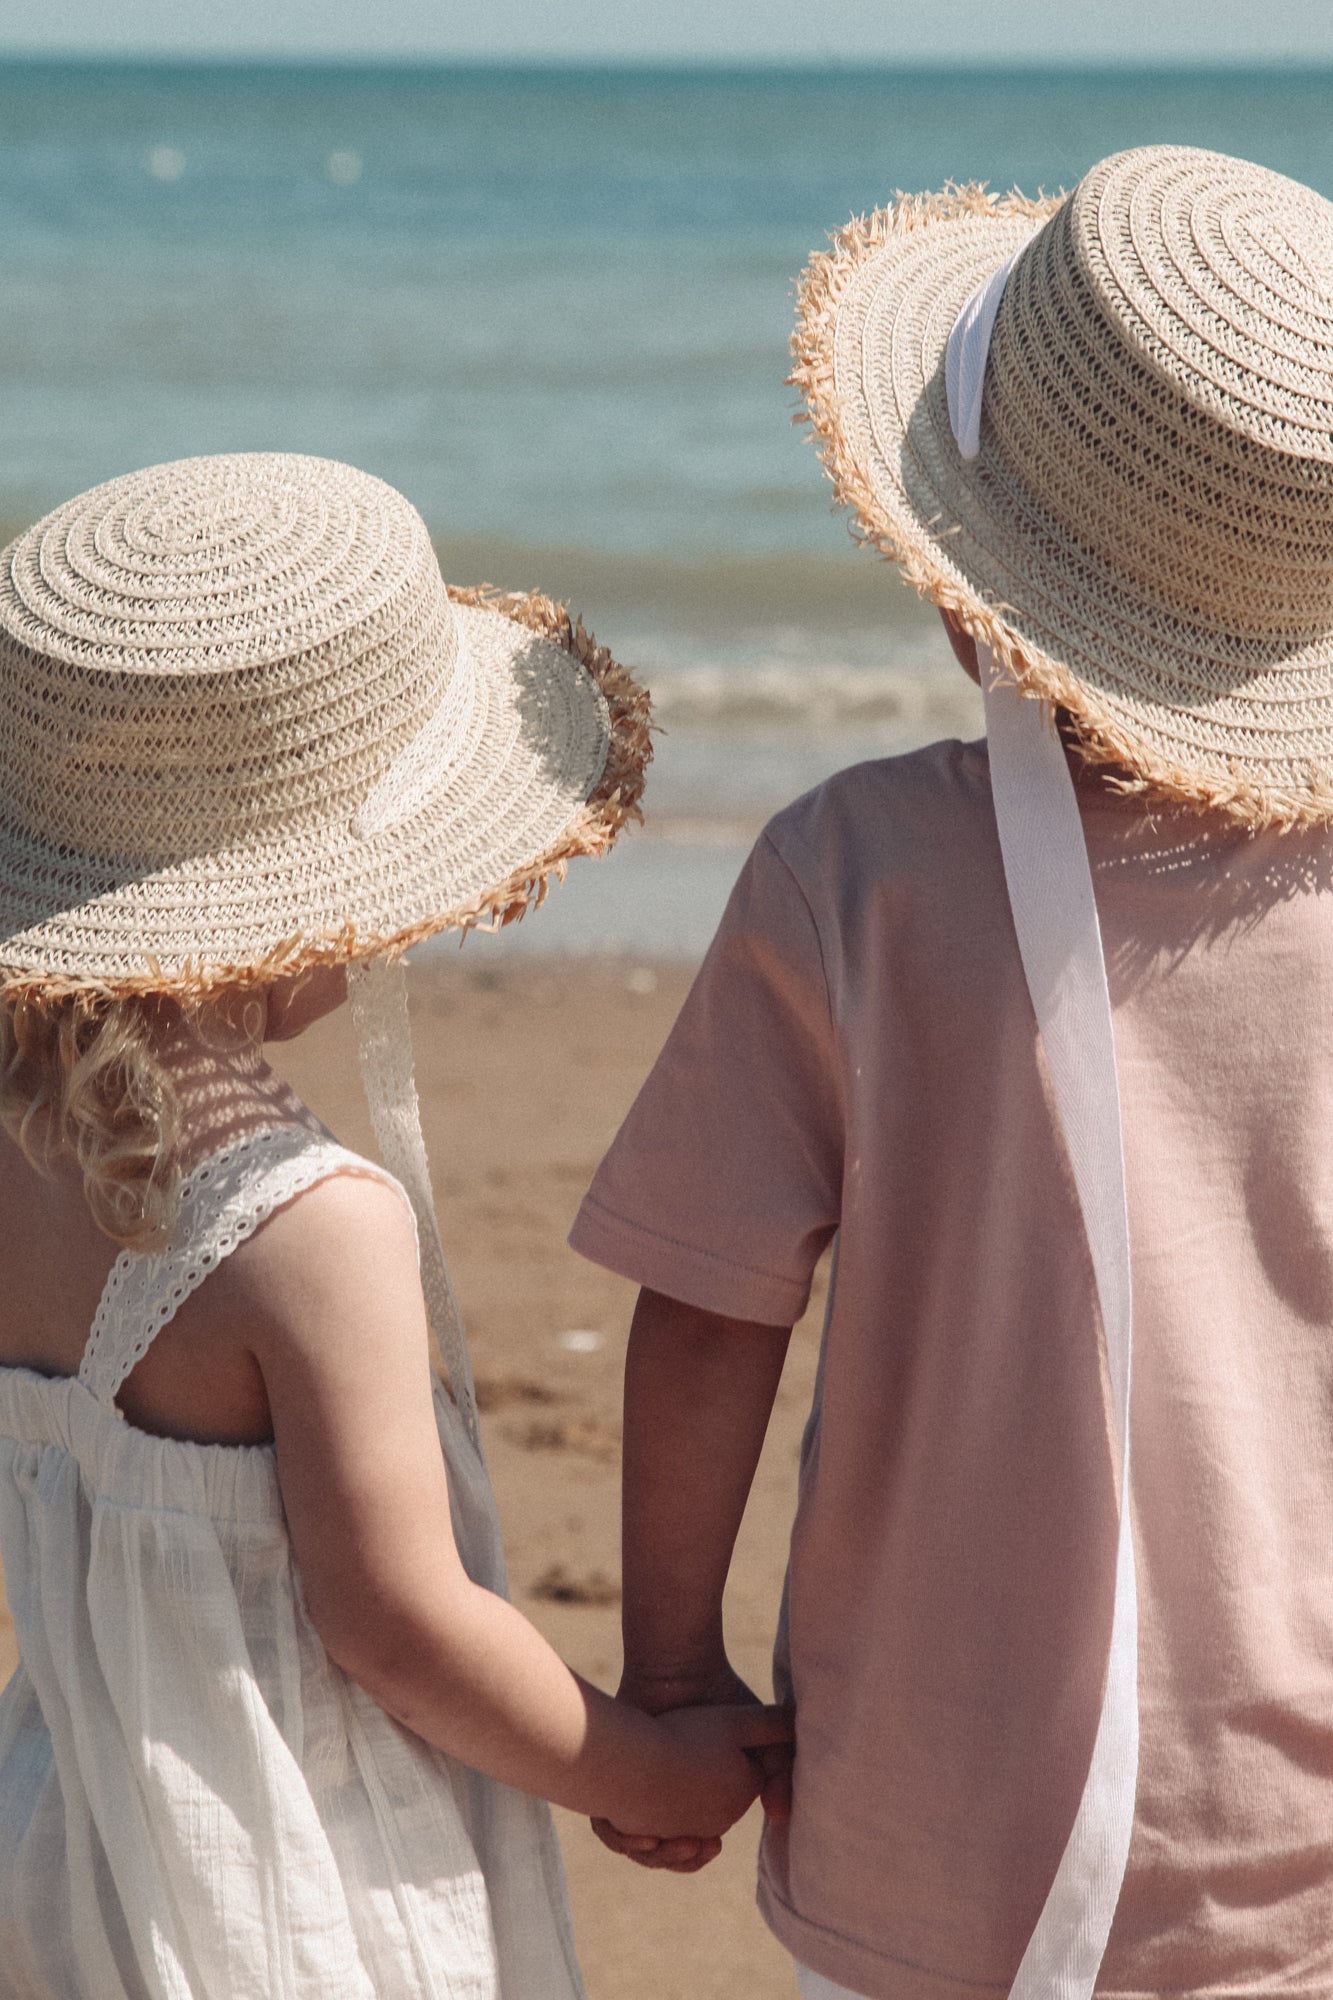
[1049, 880]
[965, 356]
[377, 990]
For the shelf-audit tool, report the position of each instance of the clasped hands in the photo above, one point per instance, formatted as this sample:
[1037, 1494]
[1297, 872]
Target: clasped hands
[657, 1695]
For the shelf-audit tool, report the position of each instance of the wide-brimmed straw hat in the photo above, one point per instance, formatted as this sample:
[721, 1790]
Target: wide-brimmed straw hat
[1146, 534]
[246, 729]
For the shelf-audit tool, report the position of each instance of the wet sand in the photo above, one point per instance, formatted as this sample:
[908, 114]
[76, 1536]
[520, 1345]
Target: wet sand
[525, 1067]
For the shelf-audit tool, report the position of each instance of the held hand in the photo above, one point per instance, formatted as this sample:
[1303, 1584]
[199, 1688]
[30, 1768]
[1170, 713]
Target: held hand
[711, 1778]
[719, 1751]
[658, 1694]
[674, 1698]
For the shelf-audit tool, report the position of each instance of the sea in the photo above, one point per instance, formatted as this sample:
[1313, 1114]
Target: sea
[551, 305]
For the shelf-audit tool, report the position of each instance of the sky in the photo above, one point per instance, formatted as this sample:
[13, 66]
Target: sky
[886, 31]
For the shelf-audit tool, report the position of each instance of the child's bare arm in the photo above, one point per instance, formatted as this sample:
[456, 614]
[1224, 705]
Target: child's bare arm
[342, 1348]
[699, 1389]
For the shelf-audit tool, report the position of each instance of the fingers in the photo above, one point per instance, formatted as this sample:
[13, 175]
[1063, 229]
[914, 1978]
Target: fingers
[761, 1723]
[708, 1850]
[634, 1846]
[775, 1795]
[774, 1762]
[681, 1855]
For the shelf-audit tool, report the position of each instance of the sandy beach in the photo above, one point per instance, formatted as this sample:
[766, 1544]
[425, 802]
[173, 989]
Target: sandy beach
[525, 1067]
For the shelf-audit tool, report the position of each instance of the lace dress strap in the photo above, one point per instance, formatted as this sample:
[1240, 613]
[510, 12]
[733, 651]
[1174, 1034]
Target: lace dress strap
[222, 1201]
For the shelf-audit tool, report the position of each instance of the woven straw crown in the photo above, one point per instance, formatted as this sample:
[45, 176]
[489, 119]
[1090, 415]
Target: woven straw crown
[185, 671]
[1147, 534]
[242, 722]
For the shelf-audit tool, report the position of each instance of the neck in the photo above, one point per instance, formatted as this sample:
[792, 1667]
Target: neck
[214, 1057]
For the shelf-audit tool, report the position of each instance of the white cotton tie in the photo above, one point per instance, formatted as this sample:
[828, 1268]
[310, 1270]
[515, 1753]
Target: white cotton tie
[378, 993]
[1059, 939]
[965, 357]
[1055, 916]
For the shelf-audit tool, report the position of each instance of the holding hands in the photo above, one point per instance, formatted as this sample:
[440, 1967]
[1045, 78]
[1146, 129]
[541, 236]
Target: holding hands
[732, 1749]
[698, 1392]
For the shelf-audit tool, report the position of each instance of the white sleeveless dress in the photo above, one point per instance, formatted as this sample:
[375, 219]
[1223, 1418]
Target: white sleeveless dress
[195, 1802]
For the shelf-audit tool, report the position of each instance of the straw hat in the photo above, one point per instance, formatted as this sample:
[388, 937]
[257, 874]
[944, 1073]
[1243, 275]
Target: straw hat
[244, 729]
[1146, 536]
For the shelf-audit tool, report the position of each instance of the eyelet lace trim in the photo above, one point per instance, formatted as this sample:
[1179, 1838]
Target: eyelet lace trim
[222, 1201]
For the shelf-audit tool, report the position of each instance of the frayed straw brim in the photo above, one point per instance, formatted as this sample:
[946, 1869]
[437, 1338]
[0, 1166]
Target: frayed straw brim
[246, 918]
[1227, 720]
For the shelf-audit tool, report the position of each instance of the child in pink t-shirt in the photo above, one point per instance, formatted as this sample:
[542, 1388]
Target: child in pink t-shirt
[1011, 1022]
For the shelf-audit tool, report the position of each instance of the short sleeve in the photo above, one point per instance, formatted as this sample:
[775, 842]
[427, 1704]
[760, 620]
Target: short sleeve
[722, 1186]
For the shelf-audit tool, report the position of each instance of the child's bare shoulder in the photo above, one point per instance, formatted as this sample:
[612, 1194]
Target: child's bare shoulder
[345, 1242]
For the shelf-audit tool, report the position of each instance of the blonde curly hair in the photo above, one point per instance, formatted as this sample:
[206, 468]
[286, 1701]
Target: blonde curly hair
[80, 1079]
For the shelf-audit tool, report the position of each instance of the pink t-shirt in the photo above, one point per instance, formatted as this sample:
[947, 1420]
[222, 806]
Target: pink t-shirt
[859, 1054]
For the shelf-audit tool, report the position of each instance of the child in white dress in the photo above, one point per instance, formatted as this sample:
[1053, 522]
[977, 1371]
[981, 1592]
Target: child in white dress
[275, 1728]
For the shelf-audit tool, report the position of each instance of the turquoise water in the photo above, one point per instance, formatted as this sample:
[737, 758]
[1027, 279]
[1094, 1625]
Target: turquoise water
[552, 306]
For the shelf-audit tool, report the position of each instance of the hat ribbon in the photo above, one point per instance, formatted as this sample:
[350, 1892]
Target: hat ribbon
[965, 356]
[377, 990]
[1049, 881]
